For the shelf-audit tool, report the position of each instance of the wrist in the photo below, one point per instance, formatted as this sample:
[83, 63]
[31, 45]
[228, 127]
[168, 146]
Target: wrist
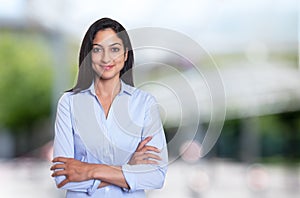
[93, 172]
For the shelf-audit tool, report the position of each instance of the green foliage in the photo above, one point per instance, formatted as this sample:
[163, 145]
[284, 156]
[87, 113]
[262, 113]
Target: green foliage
[25, 80]
[228, 142]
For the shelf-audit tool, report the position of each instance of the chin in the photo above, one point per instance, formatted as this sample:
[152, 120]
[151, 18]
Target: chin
[108, 77]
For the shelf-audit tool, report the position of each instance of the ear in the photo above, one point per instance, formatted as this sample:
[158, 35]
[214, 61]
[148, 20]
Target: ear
[126, 55]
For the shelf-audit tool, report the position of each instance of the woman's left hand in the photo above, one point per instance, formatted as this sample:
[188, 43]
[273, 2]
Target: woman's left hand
[142, 155]
[74, 170]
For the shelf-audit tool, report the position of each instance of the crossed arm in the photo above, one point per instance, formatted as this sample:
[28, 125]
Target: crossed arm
[77, 171]
[137, 174]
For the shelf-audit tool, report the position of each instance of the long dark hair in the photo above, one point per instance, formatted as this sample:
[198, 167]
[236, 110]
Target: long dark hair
[86, 72]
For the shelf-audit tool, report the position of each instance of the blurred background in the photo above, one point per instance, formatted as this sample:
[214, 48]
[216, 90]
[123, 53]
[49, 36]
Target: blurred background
[254, 44]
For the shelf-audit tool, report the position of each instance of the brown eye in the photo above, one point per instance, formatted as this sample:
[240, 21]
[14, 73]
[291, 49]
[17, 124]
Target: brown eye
[96, 50]
[115, 49]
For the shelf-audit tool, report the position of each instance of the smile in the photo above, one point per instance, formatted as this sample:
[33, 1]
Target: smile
[107, 67]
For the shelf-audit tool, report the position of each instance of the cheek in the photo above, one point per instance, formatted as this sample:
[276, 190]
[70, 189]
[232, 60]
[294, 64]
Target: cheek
[96, 68]
[93, 66]
[120, 61]
[95, 58]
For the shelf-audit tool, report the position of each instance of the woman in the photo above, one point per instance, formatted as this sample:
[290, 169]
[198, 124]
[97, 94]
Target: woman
[109, 140]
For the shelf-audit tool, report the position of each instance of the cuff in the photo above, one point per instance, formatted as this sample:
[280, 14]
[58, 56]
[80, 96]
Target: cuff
[93, 188]
[128, 172]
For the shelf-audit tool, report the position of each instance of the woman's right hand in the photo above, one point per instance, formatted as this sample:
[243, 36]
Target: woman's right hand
[142, 154]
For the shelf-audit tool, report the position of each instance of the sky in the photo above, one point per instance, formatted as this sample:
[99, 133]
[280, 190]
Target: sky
[216, 24]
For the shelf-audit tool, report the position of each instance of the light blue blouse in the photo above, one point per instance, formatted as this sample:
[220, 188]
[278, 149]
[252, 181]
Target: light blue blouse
[83, 132]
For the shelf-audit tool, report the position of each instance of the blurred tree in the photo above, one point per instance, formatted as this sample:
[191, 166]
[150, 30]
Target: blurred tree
[25, 81]
[271, 129]
[228, 142]
[278, 138]
[291, 134]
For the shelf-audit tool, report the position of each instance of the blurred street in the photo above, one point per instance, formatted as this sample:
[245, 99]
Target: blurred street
[29, 178]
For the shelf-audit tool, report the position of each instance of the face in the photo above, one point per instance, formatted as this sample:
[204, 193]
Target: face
[108, 54]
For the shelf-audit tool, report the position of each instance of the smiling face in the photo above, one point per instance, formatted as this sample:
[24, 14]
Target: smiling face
[108, 54]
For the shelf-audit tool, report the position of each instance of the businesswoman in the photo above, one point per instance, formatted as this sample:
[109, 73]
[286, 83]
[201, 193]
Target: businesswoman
[109, 140]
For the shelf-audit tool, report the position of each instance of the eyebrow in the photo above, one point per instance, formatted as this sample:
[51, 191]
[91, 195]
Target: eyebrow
[109, 45]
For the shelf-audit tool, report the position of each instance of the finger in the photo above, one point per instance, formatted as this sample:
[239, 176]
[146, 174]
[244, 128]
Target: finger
[57, 166]
[150, 148]
[146, 156]
[59, 173]
[153, 156]
[149, 161]
[144, 142]
[137, 155]
[61, 159]
[61, 184]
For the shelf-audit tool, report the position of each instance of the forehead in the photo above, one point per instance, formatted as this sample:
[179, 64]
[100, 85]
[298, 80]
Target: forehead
[106, 37]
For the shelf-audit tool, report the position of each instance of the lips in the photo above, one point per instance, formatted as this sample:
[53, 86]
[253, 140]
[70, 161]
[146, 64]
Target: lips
[107, 67]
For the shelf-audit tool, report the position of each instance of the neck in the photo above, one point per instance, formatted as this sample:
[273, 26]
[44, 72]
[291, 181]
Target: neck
[107, 88]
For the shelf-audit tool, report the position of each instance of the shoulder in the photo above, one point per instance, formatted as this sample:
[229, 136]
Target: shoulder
[143, 96]
[138, 96]
[65, 98]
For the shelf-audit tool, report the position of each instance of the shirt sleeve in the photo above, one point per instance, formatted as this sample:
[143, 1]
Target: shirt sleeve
[146, 176]
[64, 145]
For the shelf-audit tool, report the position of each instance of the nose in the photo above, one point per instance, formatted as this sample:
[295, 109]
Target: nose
[105, 57]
